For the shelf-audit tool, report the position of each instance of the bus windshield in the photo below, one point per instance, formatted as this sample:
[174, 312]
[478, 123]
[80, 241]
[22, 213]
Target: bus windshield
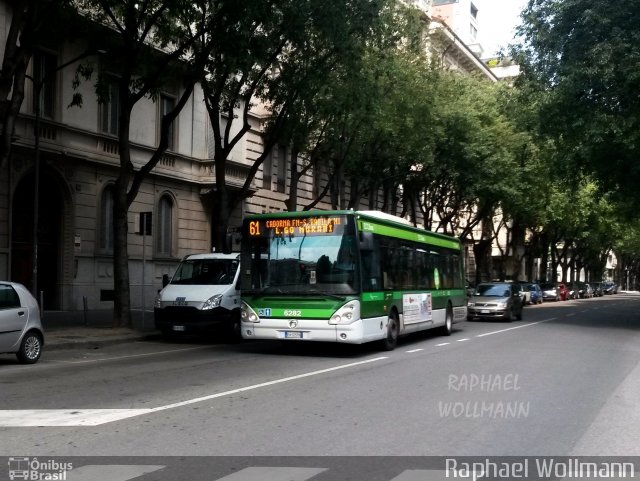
[304, 256]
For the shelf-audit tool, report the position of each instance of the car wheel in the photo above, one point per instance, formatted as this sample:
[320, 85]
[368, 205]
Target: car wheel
[30, 348]
[509, 315]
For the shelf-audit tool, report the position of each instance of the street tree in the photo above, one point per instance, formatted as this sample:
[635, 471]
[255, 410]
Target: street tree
[33, 23]
[584, 56]
[150, 45]
[270, 54]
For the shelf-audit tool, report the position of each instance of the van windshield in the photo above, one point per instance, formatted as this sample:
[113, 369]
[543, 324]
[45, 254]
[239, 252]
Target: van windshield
[206, 271]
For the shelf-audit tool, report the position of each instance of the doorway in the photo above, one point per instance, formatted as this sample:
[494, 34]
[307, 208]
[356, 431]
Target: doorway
[49, 230]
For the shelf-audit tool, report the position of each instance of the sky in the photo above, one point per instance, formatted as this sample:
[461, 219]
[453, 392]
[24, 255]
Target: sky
[497, 20]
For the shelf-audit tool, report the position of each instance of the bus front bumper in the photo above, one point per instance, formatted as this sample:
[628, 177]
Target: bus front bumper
[303, 330]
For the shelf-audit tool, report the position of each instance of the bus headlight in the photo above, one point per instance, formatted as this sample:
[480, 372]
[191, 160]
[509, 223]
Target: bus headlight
[347, 314]
[212, 302]
[248, 314]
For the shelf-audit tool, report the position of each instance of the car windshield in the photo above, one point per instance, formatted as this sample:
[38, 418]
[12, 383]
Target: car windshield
[492, 290]
[547, 286]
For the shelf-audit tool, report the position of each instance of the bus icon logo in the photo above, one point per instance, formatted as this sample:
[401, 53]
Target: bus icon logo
[18, 468]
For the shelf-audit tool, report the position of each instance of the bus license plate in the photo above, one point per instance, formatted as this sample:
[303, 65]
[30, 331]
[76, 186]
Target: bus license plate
[178, 328]
[292, 335]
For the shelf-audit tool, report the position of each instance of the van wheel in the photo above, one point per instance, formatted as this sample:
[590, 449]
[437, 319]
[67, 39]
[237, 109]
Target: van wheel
[390, 342]
[234, 329]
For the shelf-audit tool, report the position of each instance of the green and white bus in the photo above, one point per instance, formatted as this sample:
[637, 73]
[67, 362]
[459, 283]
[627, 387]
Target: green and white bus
[347, 277]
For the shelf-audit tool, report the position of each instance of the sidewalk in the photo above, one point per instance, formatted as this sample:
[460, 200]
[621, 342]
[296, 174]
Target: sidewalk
[93, 329]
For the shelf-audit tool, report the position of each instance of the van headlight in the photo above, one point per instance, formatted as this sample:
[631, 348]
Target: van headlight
[158, 302]
[212, 302]
[347, 314]
[248, 314]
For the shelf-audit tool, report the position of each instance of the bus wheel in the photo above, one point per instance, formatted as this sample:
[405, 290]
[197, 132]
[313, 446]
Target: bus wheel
[390, 342]
[448, 323]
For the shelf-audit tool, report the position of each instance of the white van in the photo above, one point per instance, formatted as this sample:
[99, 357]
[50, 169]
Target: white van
[202, 296]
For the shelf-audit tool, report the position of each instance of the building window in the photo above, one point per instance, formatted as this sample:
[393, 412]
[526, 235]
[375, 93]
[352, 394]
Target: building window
[281, 176]
[44, 67]
[111, 108]
[106, 219]
[167, 104]
[165, 225]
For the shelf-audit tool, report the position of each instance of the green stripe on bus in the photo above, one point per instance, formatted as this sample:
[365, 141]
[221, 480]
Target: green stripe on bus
[425, 238]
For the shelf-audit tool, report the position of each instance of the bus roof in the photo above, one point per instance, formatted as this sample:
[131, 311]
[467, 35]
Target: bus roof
[376, 218]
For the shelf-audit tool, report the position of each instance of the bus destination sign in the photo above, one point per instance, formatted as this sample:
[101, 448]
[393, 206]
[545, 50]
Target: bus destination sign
[295, 226]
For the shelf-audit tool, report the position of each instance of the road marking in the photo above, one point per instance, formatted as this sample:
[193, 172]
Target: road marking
[273, 474]
[65, 417]
[96, 417]
[462, 340]
[415, 350]
[571, 315]
[443, 344]
[512, 328]
[114, 472]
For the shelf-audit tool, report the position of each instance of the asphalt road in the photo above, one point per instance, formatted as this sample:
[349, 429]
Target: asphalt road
[565, 381]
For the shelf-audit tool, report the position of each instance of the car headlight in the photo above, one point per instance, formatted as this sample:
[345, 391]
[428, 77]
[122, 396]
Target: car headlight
[212, 302]
[471, 304]
[347, 314]
[248, 314]
[502, 304]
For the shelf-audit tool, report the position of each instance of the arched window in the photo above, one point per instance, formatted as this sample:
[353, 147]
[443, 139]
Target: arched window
[165, 225]
[106, 219]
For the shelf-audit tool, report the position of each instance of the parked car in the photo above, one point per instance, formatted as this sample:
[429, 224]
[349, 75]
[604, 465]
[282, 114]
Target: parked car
[575, 290]
[525, 293]
[587, 292]
[597, 289]
[554, 292]
[609, 288]
[21, 331]
[535, 292]
[495, 300]
[550, 291]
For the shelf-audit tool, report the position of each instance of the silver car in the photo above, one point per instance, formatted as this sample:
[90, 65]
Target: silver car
[20, 326]
[496, 300]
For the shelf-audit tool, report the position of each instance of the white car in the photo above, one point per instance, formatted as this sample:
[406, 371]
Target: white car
[21, 331]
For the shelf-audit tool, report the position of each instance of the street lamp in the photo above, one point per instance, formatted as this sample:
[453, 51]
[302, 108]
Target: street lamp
[38, 84]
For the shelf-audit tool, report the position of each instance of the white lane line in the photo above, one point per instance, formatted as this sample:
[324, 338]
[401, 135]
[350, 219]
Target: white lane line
[95, 417]
[512, 328]
[571, 315]
[113, 472]
[273, 474]
[264, 384]
[443, 344]
[130, 356]
[462, 340]
[415, 350]
[65, 417]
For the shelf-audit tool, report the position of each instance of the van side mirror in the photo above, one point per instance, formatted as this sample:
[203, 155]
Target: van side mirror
[165, 280]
